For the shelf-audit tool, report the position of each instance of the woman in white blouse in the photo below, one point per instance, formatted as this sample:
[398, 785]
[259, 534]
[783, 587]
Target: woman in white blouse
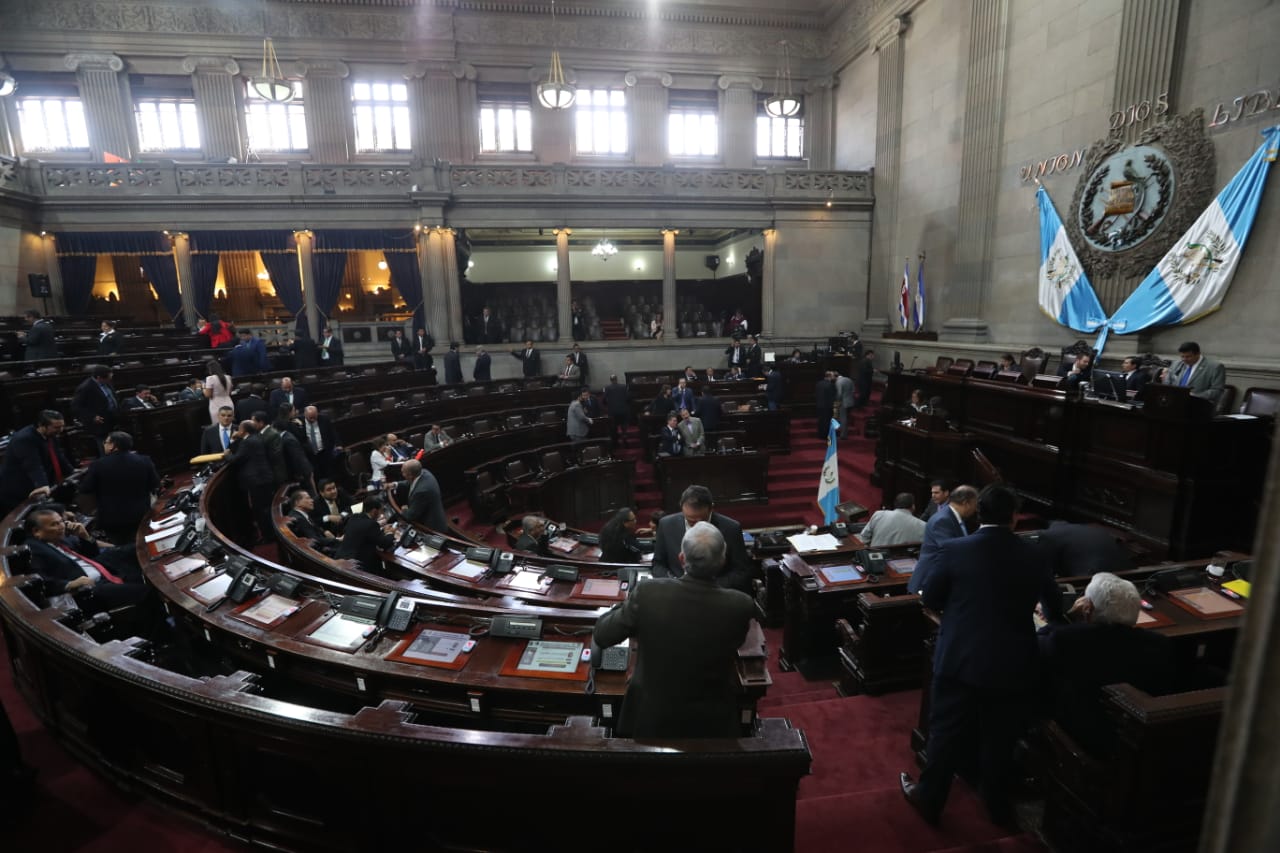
[378, 461]
[217, 389]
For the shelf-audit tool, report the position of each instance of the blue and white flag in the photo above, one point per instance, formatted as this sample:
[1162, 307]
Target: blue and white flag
[1192, 278]
[1065, 292]
[829, 480]
[904, 296]
[920, 295]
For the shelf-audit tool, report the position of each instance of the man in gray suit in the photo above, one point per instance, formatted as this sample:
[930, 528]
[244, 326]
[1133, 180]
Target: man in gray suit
[570, 373]
[689, 629]
[695, 440]
[844, 394]
[424, 503]
[1204, 377]
[696, 504]
[437, 438]
[895, 526]
[579, 425]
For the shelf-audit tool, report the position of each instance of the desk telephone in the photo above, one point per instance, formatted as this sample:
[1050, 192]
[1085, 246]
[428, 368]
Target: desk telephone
[388, 612]
[872, 562]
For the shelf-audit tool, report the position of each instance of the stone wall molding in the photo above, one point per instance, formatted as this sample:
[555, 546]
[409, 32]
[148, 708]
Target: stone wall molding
[322, 68]
[633, 78]
[423, 67]
[895, 28]
[224, 64]
[93, 62]
[728, 80]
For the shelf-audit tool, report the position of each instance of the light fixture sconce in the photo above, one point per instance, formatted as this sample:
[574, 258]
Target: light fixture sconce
[271, 85]
[8, 85]
[555, 93]
[783, 103]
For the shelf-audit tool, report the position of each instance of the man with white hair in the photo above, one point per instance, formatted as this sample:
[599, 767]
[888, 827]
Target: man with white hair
[1101, 646]
[685, 682]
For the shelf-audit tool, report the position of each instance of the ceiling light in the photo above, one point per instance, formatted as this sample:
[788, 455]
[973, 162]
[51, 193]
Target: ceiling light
[8, 85]
[271, 85]
[555, 93]
[604, 250]
[382, 265]
[783, 103]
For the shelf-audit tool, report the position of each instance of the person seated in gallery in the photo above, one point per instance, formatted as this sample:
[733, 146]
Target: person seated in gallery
[1007, 362]
[897, 526]
[1101, 645]
[533, 536]
[436, 439]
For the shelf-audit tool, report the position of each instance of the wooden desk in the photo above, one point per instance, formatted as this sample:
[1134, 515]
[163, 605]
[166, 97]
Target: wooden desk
[760, 430]
[741, 477]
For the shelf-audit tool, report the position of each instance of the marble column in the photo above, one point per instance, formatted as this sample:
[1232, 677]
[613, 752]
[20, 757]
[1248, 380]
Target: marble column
[564, 293]
[6, 137]
[440, 284]
[218, 105]
[58, 302]
[738, 120]
[449, 279]
[820, 121]
[330, 128]
[648, 115]
[669, 316]
[767, 279]
[435, 109]
[306, 245]
[889, 50]
[979, 167]
[108, 110]
[186, 289]
[434, 294]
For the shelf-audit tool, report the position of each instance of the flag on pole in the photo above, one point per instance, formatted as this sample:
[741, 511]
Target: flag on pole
[829, 480]
[1065, 292]
[1192, 278]
[920, 295]
[904, 299]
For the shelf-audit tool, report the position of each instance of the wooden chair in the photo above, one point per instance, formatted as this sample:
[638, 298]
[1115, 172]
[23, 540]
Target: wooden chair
[476, 391]
[387, 404]
[552, 462]
[1048, 380]
[1226, 401]
[515, 421]
[360, 407]
[591, 454]
[942, 364]
[986, 370]
[1261, 402]
[517, 471]
[1016, 376]
[547, 416]
[419, 398]
[960, 367]
[482, 426]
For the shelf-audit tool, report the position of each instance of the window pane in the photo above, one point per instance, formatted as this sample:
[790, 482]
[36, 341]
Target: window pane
[584, 131]
[619, 140]
[381, 115]
[400, 92]
[380, 92]
[488, 141]
[52, 124]
[360, 91]
[675, 134]
[364, 128]
[382, 133]
[524, 129]
[400, 116]
[506, 130]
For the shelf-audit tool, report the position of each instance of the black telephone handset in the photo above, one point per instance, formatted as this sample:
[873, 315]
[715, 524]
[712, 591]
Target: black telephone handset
[187, 539]
[872, 562]
[396, 613]
[242, 585]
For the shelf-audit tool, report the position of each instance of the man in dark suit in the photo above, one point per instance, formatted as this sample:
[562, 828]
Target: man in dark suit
[682, 396]
[949, 522]
[689, 629]
[305, 352]
[299, 518]
[697, 504]
[401, 349]
[670, 441]
[708, 410]
[530, 358]
[422, 346]
[124, 484]
[70, 560]
[424, 504]
[255, 402]
[254, 476]
[33, 462]
[332, 509]
[939, 495]
[737, 356]
[487, 328]
[330, 348]
[617, 403]
[824, 397]
[580, 361]
[1205, 377]
[453, 365]
[1101, 646]
[108, 339]
[481, 372]
[320, 440]
[364, 537]
[986, 661]
[94, 404]
[142, 399]
[40, 341]
[754, 357]
[1134, 376]
[216, 438]
[194, 392]
[1082, 549]
[864, 377]
[249, 356]
[775, 384]
[663, 404]
[295, 395]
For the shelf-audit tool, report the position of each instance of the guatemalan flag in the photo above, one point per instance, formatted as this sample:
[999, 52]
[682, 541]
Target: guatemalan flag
[919, 318]
[1192, 279]
[829, 480]
[904, 296]
[1065, 292]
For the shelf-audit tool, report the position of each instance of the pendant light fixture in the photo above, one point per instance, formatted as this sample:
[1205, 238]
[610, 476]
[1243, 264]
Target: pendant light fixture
[555, 93]
[783, 103]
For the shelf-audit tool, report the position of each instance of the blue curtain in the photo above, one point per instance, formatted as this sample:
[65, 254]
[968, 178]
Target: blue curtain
[162, 272]
[287, 280]
[204, 275]
[406, 278]
[77, 281]
[328, 269]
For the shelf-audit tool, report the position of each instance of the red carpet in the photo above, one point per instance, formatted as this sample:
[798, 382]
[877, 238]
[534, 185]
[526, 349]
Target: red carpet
[859, 744]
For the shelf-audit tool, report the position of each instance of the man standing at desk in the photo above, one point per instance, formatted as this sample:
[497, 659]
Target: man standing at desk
[424, 503]
[947, 523]
[364, 537]
[579, 425]
[452, 365]
[481, 371]
[1204, 377]
[617, 403]
[689, 630]
[33, 463]
[696, 504]
[985, 666]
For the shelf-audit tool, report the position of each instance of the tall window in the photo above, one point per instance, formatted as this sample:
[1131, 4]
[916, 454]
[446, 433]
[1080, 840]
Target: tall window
[382, 116]
[276, 128]
[506, 120]
[692, 125]
[779, 137]
[167, 123]
[602, 121]
[54, 123]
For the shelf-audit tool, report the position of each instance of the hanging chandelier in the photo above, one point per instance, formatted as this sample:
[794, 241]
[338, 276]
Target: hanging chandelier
[8, 85]
[604, 250]
[555, 93]
[783, 103]
[271, 85]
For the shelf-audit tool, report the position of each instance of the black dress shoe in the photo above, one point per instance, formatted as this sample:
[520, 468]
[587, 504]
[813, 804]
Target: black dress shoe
[911, 792]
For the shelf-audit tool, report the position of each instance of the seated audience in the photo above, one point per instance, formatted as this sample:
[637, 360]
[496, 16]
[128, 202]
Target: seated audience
[437, 438]
[123, 484]
[364, 537]
[193, 391]
[379, 459]
[896, 526]
[142, 398]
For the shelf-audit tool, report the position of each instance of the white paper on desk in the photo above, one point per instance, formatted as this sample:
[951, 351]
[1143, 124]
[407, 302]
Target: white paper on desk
[418, 556]
[469, 569]
[183, 567]
[804, 543]
[171, 521]
[162, 534]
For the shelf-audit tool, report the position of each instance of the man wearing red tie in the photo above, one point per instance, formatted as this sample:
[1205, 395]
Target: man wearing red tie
[68, 559]
[33, 463]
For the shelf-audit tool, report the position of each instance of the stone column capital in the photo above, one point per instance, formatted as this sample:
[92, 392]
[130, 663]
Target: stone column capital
[727, 81]
[817, 84]
[891, 31]
[93, 62]
[634, 78]
[222, 64]
[423, 68]
[322, 68]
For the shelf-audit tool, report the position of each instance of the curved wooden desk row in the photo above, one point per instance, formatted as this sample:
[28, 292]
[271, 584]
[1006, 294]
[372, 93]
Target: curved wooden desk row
[765, 430]
[799, 380]
[577, 483]
[297, 777]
